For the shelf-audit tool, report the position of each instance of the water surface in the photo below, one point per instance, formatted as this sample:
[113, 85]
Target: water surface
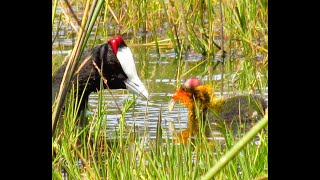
[158, 73]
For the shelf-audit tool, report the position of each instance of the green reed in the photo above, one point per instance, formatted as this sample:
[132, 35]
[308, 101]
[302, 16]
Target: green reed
[85, 31]
[83, 151]
[191, 23]
[86, 152]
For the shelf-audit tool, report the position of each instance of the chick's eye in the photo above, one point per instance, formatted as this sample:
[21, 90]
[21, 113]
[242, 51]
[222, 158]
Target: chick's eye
[184, 88]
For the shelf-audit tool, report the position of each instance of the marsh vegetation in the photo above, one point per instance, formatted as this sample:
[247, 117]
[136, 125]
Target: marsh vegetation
[225, 44]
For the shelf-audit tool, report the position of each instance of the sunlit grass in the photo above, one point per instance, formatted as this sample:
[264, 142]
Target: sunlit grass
[85, 151]
[191, 25]
[82, 150]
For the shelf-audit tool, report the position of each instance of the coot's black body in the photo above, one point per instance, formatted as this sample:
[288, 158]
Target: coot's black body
[114, 59]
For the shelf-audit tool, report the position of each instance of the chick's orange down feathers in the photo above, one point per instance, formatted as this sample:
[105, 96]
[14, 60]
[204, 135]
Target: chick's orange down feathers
[200, 97]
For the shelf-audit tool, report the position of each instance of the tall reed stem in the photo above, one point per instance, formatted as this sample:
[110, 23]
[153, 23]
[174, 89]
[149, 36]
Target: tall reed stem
[236, 148]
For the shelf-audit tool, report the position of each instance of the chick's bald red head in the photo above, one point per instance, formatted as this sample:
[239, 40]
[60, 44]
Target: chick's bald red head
[184, 93]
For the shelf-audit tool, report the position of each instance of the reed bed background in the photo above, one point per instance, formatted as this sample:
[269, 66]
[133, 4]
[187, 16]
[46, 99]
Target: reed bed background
[222, 31]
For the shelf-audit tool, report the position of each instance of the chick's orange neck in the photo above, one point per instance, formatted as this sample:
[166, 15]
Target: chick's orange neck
[184, 97]
[200, 95]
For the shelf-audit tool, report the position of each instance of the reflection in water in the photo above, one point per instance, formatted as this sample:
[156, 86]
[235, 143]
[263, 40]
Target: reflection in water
[143, 116]
[158, 73]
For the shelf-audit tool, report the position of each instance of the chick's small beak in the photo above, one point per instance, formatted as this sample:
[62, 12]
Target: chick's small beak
[171, 104]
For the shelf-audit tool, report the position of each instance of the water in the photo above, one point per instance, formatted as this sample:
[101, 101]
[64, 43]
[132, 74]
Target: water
[158, 73]
[145, 115]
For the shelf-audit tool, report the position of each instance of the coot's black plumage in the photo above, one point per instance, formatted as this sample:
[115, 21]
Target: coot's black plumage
[116, 63]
